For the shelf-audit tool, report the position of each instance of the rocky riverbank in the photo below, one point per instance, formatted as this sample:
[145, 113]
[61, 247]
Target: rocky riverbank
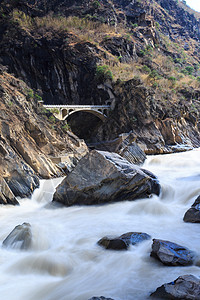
[29, 138]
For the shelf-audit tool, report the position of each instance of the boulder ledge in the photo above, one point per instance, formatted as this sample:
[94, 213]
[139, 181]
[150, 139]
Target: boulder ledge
[103, 177]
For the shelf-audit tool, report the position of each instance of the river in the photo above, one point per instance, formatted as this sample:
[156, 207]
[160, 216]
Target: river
[65, 262]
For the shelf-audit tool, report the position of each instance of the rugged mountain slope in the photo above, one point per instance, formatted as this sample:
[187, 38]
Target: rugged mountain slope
[155, 44]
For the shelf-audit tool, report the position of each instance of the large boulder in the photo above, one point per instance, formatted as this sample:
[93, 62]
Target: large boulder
[19, 238]
[123, 241]
[192, 215]
[102, 177]
[184, 287]
[171, 254]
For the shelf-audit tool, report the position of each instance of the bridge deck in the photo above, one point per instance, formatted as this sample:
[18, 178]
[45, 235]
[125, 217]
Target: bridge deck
[76, 106]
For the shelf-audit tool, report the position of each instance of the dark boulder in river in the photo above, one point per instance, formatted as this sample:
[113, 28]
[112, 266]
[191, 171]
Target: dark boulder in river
[103, 177]
[19, 238]
[193, 214]
[171, 254]
[184, 287]
[123, 241]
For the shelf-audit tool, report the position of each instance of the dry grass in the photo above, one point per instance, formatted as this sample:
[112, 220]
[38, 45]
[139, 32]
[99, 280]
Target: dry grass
[84, 28]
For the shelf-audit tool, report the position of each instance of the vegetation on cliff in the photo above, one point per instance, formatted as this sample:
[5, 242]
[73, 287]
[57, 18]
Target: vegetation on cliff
[75, 51]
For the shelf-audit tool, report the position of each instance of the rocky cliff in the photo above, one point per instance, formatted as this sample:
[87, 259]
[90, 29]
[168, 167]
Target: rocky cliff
[29, 138]
[150, 50]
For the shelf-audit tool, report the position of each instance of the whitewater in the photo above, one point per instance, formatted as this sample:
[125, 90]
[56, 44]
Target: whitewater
[65, 262]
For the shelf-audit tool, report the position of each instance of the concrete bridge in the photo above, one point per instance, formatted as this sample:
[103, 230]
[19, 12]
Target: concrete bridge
[61, 112]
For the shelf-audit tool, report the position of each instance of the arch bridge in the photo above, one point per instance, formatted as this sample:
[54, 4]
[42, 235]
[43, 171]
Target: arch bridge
[61, 112]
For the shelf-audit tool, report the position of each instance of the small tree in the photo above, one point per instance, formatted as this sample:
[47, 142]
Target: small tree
[103, 73]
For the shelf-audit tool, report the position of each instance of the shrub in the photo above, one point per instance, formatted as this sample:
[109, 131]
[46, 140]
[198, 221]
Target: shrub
[173, 80]
[103, 73]
[52, 119]
[146, 69]
[66, 127]
[30, 94]
[96, 4]
[38, 98]
[189, 69]
[154, 75]
[198, 78]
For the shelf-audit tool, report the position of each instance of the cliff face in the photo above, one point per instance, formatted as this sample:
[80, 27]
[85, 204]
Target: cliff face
[158, 125]
[150, 47]
[29, 137]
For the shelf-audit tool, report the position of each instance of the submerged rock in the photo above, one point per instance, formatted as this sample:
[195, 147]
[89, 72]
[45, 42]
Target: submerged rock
[193, 214]
[102, 177]
[184, 287]
[19, 238]
[123, 241]
[171, 254]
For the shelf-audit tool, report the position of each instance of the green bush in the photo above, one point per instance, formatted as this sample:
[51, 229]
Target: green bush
[38, 98]
[146, 69]
[96, 4]
[154, 75]
[189, 69]
[52, 119]
[134, 25]
[66, 127]
[103, 73]
[172, 79]
[198, 78]
[30, 94]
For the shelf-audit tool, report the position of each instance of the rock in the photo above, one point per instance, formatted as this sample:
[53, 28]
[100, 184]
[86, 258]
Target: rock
[100, 298]
[6, 195]
[193, 214]
[171, 254]
[102, 177]
[184, 287]
[23, 183]
[125, 146]
[19, 238]
[123, 241]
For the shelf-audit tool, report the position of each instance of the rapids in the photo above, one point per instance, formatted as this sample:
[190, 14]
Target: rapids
[65, 262]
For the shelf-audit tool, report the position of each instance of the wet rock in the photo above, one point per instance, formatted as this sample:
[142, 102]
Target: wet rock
[100, 298]
[19, 238]
[102, 177]
[23, 183]
[123, 241]
[193, 214]
[6, 195]
[184, 287]
[171, 254]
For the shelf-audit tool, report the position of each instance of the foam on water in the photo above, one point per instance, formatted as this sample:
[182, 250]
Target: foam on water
[65, 261]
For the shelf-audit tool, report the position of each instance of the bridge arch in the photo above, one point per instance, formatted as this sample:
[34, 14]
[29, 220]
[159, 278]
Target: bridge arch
[64, 111]
[98, 113]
